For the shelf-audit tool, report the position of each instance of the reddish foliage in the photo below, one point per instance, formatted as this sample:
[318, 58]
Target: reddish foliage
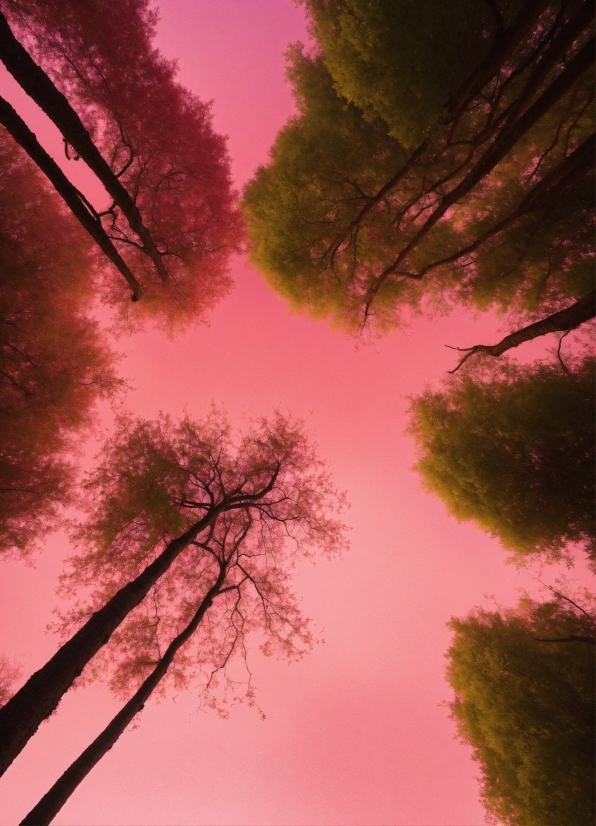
[157, 137]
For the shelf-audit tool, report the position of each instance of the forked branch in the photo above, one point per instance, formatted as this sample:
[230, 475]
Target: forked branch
[565, 320]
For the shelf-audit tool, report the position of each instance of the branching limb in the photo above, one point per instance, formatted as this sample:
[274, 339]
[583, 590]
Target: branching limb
[565, 320]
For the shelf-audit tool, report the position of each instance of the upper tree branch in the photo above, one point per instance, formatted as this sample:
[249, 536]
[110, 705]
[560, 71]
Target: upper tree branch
[506, 140]
[568, 319]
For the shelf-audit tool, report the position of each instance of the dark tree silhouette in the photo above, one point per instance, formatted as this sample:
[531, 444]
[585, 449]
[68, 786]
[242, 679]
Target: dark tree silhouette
[240, 585]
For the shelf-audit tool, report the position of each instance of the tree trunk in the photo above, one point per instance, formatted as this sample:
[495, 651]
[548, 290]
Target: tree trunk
[69, 193]
[41, 694]
[40, 88]
[51, 803]
[568, 319]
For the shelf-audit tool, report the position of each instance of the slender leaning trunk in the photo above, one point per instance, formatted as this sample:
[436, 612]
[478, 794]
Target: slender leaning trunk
[39, 697]
[51, 803]
[36, 83]
[71, 196]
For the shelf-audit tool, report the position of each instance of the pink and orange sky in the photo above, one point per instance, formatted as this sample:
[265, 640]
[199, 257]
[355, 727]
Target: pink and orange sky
[355, 733]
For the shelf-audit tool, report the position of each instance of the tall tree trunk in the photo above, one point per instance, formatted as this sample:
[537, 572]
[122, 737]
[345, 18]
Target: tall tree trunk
[568, 319]
[40, 88]
[51, 803]
[19, 130]
[39, 697]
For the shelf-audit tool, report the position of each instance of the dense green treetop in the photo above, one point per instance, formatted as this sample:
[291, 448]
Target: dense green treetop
[493, 207]
[322, 162]
[526, 706]
[400, 60]
[514, 451]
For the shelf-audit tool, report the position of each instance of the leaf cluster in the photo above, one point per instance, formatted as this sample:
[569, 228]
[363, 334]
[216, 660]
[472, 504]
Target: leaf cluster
[401, 61]
[515, 453]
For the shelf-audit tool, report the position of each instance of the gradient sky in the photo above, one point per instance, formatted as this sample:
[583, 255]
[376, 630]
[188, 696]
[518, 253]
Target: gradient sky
[355, 733]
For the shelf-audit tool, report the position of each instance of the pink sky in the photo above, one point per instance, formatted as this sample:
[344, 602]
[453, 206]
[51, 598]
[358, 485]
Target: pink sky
[355, 733]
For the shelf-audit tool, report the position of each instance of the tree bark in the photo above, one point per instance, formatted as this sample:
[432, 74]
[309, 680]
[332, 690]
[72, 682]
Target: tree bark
[51, 803]
[39, 697]
[40, 88]
[568, 319]
[19, 130]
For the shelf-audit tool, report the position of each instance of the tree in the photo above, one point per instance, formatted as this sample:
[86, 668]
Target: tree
[526, 706]
[513, 450]
[356, 221]
[149, 141]
[156, 490]
[236, 586]
[54, 363]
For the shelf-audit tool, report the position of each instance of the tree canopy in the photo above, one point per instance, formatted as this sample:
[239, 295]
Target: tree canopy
[401, 61]
[513, 450]
[116, 100]
[526, 706]
[154, 500]
[491, 204]
[54, 362]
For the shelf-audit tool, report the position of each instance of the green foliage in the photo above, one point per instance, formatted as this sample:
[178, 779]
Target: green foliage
[400, 60]
[381, 196]
[514, 452]
[323, 163]
[527, 709]
[54, 363]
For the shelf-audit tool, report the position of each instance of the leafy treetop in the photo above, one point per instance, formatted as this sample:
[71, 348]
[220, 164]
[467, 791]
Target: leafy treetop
[158, 141]
[513, 449]
[494, 206]
[525, 703]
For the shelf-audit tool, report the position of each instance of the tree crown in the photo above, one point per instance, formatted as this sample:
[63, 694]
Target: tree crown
[526, 707]
[514, 451]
